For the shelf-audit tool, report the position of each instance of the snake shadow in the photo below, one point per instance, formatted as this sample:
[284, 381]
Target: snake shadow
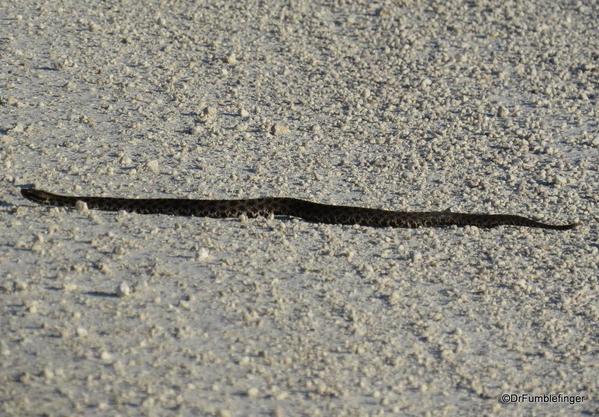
[104, 294]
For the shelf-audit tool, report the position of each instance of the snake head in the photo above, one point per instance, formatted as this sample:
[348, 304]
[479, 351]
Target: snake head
[38, 196]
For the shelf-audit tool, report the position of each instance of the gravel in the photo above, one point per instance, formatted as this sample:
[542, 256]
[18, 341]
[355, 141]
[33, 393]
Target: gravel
[474, 106]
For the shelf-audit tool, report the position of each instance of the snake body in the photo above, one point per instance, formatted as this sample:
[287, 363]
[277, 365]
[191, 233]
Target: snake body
[292, 207]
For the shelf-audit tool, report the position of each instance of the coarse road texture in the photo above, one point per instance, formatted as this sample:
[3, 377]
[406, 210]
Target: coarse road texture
[466, 106]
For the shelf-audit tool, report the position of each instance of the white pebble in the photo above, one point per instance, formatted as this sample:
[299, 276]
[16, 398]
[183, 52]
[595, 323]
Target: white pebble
[32, 306]
[203, 254]
[417, 257]
[153, 166]
[279, 129]
[123, 289]
[231, 59]
[125, 160]
[106, 356]
[81, 206]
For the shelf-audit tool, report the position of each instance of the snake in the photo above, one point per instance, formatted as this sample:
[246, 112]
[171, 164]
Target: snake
[288, 207]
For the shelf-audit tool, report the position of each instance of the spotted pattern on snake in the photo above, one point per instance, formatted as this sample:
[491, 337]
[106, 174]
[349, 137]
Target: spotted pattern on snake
[289, 207]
